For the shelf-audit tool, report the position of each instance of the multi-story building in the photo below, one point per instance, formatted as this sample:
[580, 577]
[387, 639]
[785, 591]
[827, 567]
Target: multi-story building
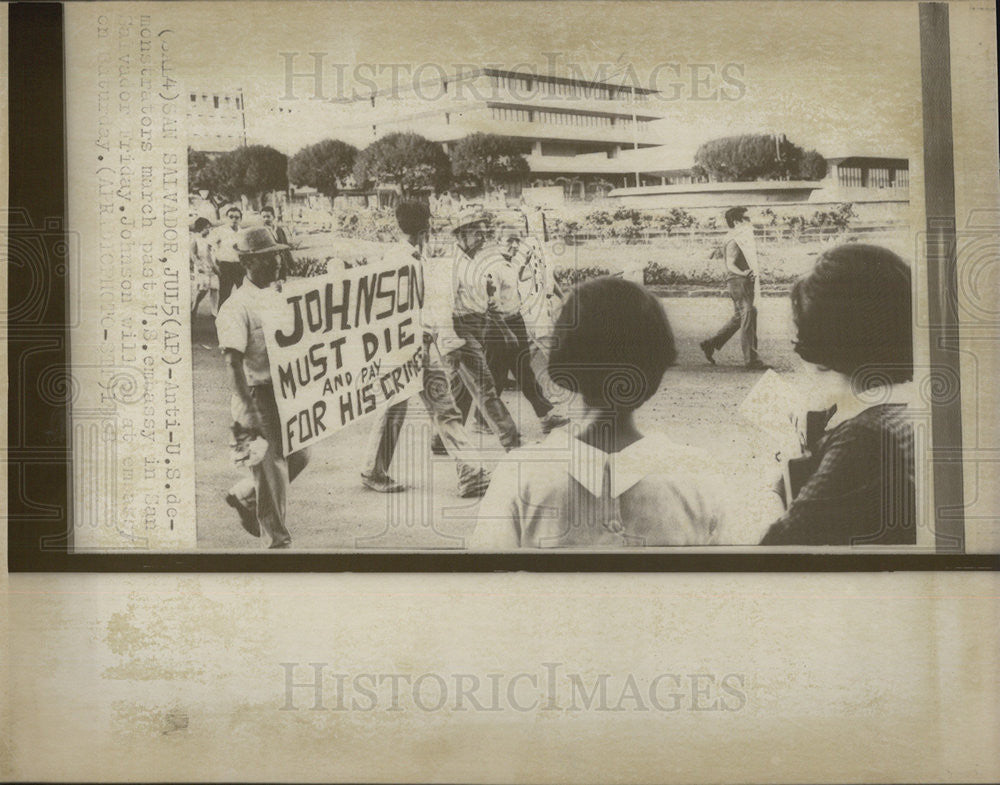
[571, 131]
[216, 120]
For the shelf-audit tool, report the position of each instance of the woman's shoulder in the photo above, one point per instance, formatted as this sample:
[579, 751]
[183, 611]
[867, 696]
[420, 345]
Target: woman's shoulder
[875, 422]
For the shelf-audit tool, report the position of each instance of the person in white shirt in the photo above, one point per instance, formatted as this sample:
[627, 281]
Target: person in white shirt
[204, 275]
[226, 257]
[510, 272]
[743, 281]
[472, 382]
[260, 503]
[601, 483]
[282, 235]
[439, 341]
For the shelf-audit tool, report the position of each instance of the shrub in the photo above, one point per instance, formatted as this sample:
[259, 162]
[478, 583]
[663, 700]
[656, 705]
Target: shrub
[365, 224]
[571, 276]
[307, 266]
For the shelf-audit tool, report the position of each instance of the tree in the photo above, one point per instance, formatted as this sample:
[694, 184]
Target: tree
[406, 160]
[246, 171]
[323, 166]
[756, 157]
[198, 161]
[487, 159]
[812, 167]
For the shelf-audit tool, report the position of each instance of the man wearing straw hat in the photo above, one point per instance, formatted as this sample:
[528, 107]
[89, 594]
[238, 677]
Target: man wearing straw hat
[472, 304]
[260, 502]
[439, 340]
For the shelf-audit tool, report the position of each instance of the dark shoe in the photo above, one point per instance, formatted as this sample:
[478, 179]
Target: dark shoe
[248, 519]
[709, 350]
[278, 545]
[474, 486]
[552, 421]
[480, 427]
[514, 445]
[758, 365]
[437, 446]
[383, 484]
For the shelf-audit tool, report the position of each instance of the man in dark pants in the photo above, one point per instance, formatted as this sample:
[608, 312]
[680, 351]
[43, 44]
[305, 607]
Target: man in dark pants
[226, 258]
[740, 255]
[439, 340]
[472, 381]
[261, 500]
[507, 344]
[280, 235]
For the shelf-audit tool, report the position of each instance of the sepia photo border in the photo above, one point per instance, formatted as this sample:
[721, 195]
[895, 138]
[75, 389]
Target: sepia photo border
[38, 455]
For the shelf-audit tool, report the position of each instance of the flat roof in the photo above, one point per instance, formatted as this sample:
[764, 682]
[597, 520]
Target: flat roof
[740, 187]
[553, 79]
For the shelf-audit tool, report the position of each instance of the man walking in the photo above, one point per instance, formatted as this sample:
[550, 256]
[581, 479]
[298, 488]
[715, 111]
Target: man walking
[472, 381]
[508, 345]
[261, 504]
[740, 255]
[226, 258]
[439, 340]
[281, 236]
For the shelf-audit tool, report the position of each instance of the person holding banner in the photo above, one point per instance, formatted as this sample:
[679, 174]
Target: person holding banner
[261, 504]
[439, 338]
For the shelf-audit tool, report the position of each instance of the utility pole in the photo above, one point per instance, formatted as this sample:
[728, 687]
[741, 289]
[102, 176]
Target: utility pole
[243, 116]
[635, 136]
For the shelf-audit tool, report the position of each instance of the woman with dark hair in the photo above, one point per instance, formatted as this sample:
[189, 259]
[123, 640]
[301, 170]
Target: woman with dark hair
[853, 317]
[600, 482]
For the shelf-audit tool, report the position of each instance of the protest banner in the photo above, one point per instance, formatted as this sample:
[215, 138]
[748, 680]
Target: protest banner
[344, 345]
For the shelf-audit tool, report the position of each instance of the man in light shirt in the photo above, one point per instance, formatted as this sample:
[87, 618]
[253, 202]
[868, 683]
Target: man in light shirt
[226, 257]
[743, 281]
[439, 341]
[281, 235]
[508, 348]
[260, 501]
[472, 381]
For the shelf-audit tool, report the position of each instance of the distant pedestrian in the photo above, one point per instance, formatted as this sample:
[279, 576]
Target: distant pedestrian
[743, 281]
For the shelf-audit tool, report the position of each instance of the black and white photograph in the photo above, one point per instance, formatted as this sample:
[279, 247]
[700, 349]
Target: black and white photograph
[492, 391]
[565, 286]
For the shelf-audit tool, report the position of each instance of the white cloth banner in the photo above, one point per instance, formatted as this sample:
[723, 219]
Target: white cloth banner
[344, 345]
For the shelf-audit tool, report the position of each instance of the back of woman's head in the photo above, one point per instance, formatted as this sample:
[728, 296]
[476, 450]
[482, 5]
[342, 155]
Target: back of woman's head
[413, 217]
[613, 344]
[853, 314]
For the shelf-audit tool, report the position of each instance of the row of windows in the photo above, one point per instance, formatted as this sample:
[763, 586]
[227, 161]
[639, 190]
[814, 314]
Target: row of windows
[528, 84]
[562, 118]
[225, 101]
[511, 115]
[882, 177]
